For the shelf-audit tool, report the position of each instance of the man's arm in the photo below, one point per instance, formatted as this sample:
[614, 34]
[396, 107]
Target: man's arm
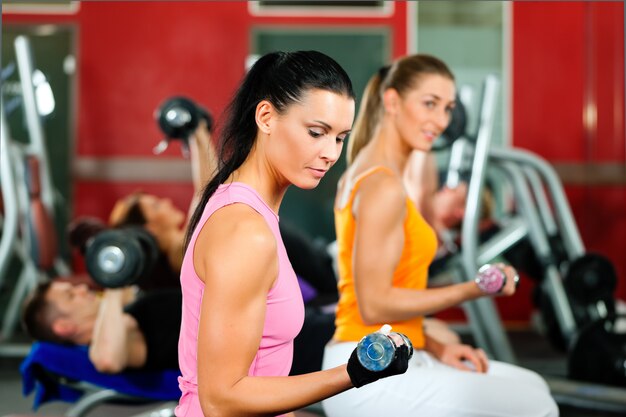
[203, 161]
[203, 167]
[117, 342]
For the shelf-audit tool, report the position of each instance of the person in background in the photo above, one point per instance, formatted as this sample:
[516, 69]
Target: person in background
[385, 247]
[124, 330]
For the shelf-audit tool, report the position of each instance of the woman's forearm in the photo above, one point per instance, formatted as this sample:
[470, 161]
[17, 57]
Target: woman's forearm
[261, 396]
[398, 304]
[432, 345]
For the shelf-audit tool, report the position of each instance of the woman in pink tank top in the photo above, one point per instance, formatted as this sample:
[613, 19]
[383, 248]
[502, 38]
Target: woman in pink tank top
[242, 306]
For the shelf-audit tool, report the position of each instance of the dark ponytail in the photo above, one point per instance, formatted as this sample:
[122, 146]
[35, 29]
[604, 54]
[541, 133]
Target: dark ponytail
[282, 78]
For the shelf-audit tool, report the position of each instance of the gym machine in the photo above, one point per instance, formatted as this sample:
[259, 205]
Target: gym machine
[575, 293]
[483, 317]
[29, 197]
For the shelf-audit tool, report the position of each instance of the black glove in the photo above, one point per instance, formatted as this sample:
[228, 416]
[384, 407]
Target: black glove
[360, 376]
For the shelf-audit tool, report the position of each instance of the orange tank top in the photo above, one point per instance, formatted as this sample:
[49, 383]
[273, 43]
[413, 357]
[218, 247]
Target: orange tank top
[420, 245]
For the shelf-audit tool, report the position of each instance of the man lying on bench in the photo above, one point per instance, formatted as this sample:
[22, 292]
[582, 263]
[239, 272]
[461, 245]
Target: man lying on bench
[122, 330]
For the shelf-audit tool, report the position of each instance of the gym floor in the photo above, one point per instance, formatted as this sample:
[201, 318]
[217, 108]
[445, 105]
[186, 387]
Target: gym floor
[532, 350]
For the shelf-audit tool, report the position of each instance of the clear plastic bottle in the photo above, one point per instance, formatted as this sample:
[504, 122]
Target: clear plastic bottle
[377, 350]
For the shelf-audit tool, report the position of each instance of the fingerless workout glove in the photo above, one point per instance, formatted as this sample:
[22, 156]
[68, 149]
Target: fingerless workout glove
[360, 376]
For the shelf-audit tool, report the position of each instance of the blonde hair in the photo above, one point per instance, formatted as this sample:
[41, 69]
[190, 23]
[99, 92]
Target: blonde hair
[403, 75]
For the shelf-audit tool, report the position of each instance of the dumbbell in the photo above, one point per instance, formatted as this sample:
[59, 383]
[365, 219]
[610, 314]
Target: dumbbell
[590, 284]
[598, 353]
[119, 257]
[377, 350]
[82, 230]
[491, 279]
[178, 117]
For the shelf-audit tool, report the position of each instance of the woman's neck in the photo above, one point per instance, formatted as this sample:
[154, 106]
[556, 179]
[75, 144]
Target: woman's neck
[388, 148]
[258, 174]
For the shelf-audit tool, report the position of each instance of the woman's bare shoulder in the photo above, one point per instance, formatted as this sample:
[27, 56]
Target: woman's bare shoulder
[233, 233]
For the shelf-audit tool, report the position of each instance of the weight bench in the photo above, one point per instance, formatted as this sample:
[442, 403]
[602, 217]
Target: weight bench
[64, 373]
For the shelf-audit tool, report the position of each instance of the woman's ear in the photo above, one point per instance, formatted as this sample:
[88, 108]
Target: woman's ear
[391, 99]
[263, 116]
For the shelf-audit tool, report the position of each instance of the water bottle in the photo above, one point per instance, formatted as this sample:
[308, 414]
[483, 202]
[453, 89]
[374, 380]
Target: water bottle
[377, 350]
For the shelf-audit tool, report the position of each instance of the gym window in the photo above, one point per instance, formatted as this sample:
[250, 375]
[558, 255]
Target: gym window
[321, 8]
[40, 6]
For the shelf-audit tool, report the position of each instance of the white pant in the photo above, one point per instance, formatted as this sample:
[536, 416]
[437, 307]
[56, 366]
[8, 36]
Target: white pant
[431, 389]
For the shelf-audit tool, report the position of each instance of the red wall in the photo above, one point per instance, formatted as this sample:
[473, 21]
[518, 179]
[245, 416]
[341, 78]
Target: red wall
[132, 55]
[568, 58]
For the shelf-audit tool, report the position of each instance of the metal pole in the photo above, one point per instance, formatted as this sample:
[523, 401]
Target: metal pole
[491, 325]
[37, 144]
[9, 198]
[552, 280]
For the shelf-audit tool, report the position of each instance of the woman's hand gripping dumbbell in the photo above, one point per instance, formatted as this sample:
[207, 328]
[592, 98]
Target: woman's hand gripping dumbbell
[497, 279]
[378, 355]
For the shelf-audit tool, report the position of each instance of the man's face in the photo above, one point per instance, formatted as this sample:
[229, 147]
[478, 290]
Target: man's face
[75, 306]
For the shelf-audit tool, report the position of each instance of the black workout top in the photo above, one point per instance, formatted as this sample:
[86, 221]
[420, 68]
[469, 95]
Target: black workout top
[161, 275]
[158, 315]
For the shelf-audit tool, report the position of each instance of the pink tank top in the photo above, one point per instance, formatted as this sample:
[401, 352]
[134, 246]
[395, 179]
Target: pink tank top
[284, 307]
